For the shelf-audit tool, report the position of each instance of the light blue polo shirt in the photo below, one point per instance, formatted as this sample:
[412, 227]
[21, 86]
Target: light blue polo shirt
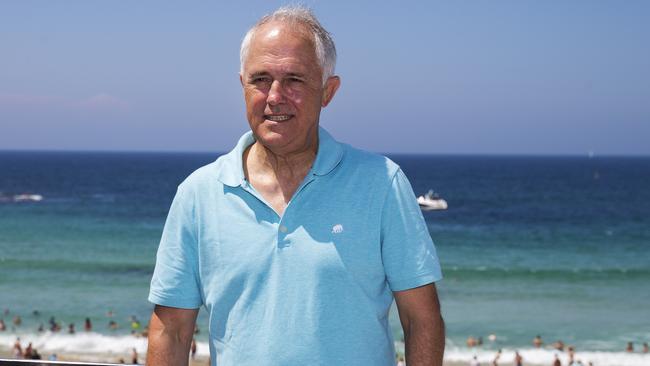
[313, 287]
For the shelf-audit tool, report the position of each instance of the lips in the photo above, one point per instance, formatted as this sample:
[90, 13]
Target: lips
[278, 117]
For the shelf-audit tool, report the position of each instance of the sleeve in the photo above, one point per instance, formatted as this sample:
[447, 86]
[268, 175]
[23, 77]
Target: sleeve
[175, 280]
[408, 253]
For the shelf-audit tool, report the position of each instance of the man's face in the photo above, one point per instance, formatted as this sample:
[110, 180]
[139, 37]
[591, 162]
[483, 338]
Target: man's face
[283, 88]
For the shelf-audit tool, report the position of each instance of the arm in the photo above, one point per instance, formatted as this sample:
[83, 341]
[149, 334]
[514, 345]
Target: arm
[170, 334]
[424, 329]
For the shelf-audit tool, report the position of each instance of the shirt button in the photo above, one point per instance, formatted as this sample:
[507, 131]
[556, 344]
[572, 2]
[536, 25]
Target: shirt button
[283, 229]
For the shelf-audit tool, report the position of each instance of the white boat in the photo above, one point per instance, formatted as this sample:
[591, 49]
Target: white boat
[431, 201]
[28, 198]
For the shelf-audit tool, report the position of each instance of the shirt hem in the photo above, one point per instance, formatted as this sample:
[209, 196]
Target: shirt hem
[158, 299]
[421, 280]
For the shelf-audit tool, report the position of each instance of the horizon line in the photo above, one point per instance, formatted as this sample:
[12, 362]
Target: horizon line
[457, 154]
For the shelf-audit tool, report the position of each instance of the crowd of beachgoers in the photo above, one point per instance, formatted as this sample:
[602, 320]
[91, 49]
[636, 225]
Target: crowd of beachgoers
[26, 350]
[558, 346]
[55, 326]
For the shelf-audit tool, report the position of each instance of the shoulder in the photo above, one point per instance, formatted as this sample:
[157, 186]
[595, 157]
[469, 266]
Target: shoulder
[202, 178]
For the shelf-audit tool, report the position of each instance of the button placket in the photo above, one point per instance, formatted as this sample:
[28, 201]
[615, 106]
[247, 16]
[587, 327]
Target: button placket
[283, 226]
[282, 233]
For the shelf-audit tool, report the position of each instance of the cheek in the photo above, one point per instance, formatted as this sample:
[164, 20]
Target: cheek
[296, 98]
[297, 101]
[307, 99]
[255, 100]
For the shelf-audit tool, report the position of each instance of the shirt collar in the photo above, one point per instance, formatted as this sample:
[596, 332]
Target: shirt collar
[328, 157]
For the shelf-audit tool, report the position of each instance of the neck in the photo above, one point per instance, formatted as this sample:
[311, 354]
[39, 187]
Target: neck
[294, 166]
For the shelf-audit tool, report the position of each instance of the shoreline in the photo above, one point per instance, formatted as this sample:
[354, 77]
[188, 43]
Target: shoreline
[202, 360]
[114, 350]
[5, 352]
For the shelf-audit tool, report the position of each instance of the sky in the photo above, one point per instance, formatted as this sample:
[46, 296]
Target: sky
[433, 77]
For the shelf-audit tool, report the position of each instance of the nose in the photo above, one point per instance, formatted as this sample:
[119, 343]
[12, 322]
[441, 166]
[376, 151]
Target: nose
[276, 94]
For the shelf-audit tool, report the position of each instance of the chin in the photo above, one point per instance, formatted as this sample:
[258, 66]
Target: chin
[271, 138]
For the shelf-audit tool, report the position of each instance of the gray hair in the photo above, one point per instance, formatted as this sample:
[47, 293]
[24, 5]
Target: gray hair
[323, 42]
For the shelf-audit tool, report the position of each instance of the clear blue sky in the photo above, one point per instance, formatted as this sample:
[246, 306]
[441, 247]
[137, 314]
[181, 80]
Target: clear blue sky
[523, 77]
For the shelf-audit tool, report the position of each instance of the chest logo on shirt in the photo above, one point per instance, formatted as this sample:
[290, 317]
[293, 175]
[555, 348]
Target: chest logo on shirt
[337, 229]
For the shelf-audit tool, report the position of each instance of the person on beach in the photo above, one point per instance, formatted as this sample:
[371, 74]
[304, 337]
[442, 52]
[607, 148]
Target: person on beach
[537, 341]
[27, 353]
[556, 361]
[645, 347]
[519, 361]
[471, 342]
[3, 326]
[134, 356]
[495, 361]
[17, 349]
[88, 325]
[630, 347]
[33, 354]
[296, 244]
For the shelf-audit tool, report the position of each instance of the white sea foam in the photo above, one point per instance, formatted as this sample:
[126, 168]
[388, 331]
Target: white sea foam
[86, 343]
[99, 344]
[546, 356]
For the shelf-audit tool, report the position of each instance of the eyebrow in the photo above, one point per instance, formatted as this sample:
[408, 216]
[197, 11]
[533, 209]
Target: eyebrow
[264, 73]
[296, 74]
[257, 74]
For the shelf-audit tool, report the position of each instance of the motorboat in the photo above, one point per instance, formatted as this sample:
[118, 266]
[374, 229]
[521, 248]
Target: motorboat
[431, 201]
[28, 198]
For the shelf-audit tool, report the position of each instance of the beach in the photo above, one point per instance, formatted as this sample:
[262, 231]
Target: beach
[84, 348]
[107, 358]
[110, 358]
[639, 360]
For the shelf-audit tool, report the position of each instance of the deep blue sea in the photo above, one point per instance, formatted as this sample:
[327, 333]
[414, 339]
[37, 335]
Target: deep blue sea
[555, 246]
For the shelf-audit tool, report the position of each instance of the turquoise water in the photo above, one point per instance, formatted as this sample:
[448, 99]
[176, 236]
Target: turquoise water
[556, 246]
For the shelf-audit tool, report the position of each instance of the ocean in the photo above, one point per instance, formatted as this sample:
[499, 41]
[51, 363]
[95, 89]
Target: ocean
[551, 246]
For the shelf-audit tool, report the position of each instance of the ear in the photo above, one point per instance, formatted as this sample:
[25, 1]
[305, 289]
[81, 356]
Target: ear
[331, 86]
[241, 79]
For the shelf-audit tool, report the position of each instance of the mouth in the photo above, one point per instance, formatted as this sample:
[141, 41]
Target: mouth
[278, 117]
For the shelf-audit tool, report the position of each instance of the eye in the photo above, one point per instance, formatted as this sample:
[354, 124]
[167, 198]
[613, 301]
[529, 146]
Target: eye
[260, 79]
[295, 80]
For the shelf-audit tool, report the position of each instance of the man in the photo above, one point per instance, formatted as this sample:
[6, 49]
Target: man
[295, 243]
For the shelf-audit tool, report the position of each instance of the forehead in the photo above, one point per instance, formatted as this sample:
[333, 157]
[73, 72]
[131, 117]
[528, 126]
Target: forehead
[280, 45]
